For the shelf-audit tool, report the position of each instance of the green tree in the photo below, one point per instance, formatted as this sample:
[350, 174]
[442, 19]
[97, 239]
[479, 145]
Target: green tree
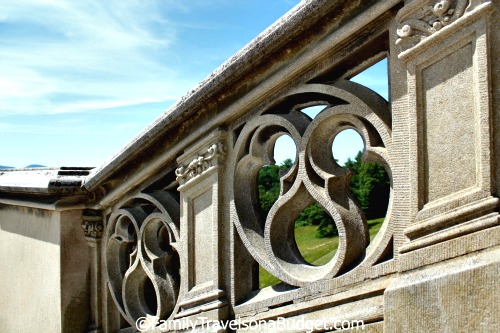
[269, 189]
[315, 215]
[269, 183]
[370, 185]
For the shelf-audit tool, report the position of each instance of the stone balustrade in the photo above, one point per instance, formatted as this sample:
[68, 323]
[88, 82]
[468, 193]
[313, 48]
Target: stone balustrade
[171, 230]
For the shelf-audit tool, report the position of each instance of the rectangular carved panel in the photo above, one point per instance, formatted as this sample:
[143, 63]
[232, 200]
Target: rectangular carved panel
[449, 124]
[202, 235]
[450, 109]
[199, 175]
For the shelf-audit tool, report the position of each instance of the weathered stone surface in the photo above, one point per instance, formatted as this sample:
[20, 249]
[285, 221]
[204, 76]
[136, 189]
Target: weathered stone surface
[44, 273]
[43, 181]
[171, 228]
[460, 295]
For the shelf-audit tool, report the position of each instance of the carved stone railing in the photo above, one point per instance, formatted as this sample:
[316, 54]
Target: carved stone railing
[184, 231]
[315, 177]
[170, 235]
[143, 256]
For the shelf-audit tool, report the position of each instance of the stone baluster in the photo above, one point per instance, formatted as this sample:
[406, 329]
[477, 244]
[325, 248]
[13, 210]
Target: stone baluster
[93, 227]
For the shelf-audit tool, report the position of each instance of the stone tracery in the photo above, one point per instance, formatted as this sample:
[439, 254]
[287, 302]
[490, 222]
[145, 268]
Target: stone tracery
[314, 177]
[142, 256]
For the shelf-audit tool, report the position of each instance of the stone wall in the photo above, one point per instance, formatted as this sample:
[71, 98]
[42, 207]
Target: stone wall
[44, 270]
[173, 231]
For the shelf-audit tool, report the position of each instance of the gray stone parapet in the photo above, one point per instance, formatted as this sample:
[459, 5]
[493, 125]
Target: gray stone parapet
[44, 181]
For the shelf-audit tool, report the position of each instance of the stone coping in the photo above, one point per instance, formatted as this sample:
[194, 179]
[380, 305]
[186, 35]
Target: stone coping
[44, 181]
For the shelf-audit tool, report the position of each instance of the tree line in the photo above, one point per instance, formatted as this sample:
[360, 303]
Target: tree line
[370, 186]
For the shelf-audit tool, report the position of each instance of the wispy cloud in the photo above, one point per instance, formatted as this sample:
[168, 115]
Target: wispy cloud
[53, 48]
[78, 79]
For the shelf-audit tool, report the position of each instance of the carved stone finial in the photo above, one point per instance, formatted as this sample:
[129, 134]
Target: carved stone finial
[92, 224]
[428, 20]
[215, 154]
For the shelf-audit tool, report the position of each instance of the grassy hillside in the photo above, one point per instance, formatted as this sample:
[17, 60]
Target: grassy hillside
[317, 251]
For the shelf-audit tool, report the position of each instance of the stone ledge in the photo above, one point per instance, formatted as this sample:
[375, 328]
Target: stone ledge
[44, 181]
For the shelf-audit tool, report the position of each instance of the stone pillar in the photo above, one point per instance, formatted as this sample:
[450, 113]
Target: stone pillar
[450, 278]
[200, 175]
[449, 100]
[93, 228]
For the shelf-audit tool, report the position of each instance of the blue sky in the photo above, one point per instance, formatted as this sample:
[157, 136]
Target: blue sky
[79, 79]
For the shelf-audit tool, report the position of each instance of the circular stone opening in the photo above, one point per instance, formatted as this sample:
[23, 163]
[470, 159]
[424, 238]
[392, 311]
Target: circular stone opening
[346, 146]
[284, 150]
[369, 184]
[269, 177]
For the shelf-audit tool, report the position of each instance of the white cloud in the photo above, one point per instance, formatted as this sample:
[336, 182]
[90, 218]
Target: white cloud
[86, 75]
[115, 54]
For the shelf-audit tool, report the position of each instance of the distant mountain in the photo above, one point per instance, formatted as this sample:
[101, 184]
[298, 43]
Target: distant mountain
[29, 166]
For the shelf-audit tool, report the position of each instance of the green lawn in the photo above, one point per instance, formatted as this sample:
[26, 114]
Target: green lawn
[317, 251]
